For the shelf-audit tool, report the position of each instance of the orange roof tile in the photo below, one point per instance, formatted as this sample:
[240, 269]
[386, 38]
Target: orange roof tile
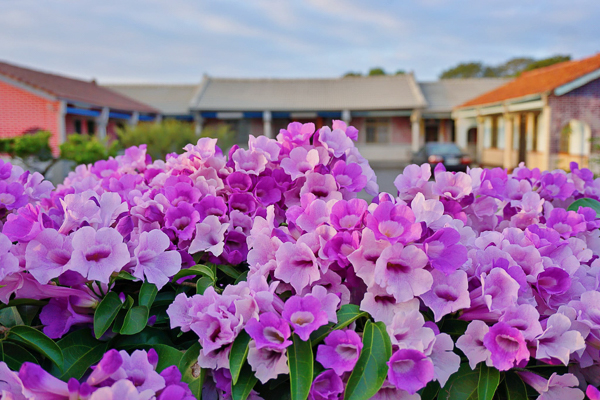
[538, 81]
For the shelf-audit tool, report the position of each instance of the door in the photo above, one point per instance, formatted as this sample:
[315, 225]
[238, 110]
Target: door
[522, 137]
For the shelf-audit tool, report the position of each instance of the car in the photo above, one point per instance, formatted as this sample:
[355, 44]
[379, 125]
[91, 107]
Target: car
[447, 153]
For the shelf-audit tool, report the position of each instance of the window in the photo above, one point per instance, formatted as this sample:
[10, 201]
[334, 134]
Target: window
[472, 136]
[378, 130]
[565, 138]
[495, 131]
[91, 127]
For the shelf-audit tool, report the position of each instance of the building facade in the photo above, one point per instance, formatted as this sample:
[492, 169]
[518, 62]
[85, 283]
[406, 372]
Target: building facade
[31, 100]
[546, 118]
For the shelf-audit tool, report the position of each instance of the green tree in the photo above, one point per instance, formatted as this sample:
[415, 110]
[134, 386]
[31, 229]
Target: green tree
[86, 149]
[351, 74]
[464, 70]
[377, 71]
[400, 72]
[169, 136]
[545, 62]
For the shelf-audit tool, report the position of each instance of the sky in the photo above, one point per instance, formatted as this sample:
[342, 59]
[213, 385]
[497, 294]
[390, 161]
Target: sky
[177, 41]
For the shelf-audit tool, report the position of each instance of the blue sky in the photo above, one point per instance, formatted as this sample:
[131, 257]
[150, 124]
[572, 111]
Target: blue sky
[177, 41]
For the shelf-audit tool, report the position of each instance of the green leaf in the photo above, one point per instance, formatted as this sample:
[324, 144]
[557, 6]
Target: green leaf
[147, 337]
[197, 269]
[229, 271]
[202, 284]
[515, 387]
[135, 320]
[80, 351]
[18, 302]
[191, 373]
[245, 383]
[36, 340]
[347, 314]
[106, 313]
[371, 368]
[164, 299]
[454, 327]
[125, 275]
[238, 354]
[147, 294]
[430, 391]
[243, 276]
[489, 378]
[14, 355]
[300, 361]
[461, 385]
[128, 303]
[10, 317]
[585, 202]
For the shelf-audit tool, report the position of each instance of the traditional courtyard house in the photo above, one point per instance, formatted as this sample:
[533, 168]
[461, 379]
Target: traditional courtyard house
[546, 117]
[31, 100]
[442, 97]
[385, 109]
[173, 101]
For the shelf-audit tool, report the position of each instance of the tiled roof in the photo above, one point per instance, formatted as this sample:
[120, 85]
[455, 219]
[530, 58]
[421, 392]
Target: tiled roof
[538, 81]
[74, 90]
[443, 95]
[169, 99]
[350, 93]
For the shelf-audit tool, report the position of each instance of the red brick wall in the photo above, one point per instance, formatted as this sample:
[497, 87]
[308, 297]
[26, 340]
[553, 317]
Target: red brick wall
[582, 104]
[21, 110]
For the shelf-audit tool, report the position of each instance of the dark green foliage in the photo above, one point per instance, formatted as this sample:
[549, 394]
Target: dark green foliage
[513, 67]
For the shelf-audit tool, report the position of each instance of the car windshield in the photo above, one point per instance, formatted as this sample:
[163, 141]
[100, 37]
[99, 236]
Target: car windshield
[443, 148]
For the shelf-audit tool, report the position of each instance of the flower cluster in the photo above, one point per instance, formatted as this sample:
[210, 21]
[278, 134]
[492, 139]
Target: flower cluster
[484, 268]
[118, 375]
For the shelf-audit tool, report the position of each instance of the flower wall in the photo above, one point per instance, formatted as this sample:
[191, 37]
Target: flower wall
[261, 274]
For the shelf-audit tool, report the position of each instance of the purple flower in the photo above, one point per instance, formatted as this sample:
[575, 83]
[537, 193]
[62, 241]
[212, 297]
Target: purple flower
[567, 223]
[400, 271]
[349, 176]
[97, 254]
[348, 215]
[448, 294]
[269, 147]
[152, 259]
[9, 264]
[454, 186]
[38, 383]
[269, 331]
[326, 386]
[252, 162]
[210, 236]
[471, 343]
[296, 265]
[556, 388]
[445, 361]
[12, 195]
[182, 219]
[138, 369]
[395, 223]
[300, 162]
[47, 255]
[558, 341]
[506, 345]
[59, 315]
[413, 180]
[336, 140]
[304, 314]
[323, 187]
[267, 363]
[25, 224]
[444, 251]
[11, 386]
[108, 365]
[340, 351]
[410, 370]
[592, 393]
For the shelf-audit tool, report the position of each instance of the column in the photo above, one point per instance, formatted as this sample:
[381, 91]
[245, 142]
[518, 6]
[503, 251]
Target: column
[267, 117]
[198, 122]
[103, 123]
[158, 119]
[346, 116]
[461, 129]
[62, 131]
[480, 138]
[415, 119]
[135, 117]
[508, 141]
